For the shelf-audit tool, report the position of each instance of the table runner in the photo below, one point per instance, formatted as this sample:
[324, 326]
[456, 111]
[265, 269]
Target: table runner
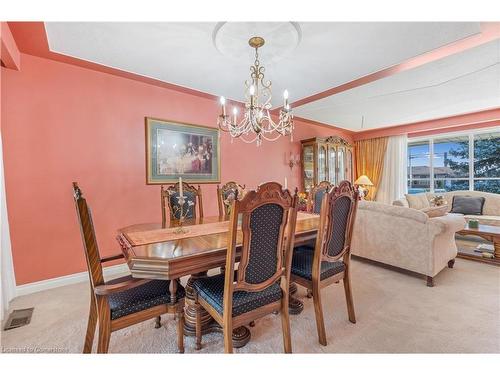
[170, 234]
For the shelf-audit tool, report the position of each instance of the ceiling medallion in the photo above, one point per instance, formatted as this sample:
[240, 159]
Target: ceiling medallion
[256, 123]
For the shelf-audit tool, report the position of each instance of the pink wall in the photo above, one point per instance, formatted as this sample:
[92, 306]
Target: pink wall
[64, 123]
[10, 55]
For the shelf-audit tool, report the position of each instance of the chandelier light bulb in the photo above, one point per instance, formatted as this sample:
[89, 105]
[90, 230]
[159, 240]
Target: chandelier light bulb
[252, 90]
[223, 104]
[285, 94]
[235, 111]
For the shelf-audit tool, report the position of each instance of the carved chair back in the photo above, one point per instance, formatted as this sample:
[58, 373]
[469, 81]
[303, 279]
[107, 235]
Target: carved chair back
[88, 237]
[170, 198]
[316, 196]
[226, 194]
[338, 211]
[267, 217]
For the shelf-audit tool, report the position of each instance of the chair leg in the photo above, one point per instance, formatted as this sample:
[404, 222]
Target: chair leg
[318, 311]
[180, 330]
[285, 324]
[348, 297]
[228, 337]
[91, 325]
[197, 307]
[158, 322]
[104, 326]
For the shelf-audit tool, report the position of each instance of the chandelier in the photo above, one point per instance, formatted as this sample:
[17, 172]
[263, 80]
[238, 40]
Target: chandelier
[256, 123]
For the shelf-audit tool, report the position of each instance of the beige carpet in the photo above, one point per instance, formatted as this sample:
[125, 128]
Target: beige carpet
[396, 313]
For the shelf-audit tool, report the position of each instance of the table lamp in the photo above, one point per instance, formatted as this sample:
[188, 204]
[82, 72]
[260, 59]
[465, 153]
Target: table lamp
[363, 181]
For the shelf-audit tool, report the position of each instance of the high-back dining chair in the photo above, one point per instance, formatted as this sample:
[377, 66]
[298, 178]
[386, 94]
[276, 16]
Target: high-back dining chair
[261, 283]
[226, 194]
[124, 301]
[316, 196]
[329, 261]
[170, 198]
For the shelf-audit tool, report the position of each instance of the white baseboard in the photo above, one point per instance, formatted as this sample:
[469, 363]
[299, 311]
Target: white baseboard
[21, 290]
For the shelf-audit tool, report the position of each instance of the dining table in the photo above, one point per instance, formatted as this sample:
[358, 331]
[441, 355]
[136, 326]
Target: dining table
[191, 248]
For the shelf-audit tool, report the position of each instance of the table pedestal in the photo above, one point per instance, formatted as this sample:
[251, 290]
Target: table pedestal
[295, 306]
[241, 335]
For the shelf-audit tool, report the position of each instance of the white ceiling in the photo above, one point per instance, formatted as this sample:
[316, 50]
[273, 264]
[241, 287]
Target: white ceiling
[465, 82]
[305, 58]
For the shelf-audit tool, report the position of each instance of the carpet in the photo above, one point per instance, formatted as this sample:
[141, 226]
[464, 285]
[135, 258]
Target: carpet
[395, 312]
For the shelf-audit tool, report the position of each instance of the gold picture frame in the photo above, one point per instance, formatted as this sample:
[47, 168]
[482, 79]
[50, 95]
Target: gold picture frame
[176, 149]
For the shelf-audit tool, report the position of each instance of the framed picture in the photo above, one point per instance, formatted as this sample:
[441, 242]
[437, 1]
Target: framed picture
[175, 149]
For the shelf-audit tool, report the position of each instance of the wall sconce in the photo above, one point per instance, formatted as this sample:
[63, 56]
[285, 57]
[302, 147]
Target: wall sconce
[293, 160]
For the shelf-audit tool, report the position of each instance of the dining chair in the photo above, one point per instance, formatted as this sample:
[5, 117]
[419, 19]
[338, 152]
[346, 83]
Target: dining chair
[124, 301]
[264, 223]
[315, 196]
[329, 261]
[226, 194]
[170, 198]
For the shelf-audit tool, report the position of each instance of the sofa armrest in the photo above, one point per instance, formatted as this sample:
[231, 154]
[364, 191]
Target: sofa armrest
[401, 203]
[451, 222]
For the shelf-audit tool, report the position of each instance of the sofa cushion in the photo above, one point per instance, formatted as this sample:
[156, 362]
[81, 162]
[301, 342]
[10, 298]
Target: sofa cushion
[467, 205]
[418, 201]
[435, 211]
[485, 219]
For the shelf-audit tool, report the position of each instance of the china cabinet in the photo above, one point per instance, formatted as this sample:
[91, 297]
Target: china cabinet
[326, 159]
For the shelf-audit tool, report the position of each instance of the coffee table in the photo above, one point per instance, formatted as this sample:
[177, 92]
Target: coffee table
[488, 232]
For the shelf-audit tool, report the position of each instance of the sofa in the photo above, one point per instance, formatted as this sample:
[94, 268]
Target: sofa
[405, 238]
[491, 208]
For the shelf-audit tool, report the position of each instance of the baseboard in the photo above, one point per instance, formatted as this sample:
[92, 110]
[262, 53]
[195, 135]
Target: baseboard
[75, 278]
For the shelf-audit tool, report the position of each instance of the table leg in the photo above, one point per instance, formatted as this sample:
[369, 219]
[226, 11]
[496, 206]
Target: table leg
[496, 246]
[241, 335]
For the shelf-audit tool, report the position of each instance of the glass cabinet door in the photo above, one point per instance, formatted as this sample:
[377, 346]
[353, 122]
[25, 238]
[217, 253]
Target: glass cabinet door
[341, 169]
[308, 162]
[321, 163]
[348, 167]
[332, 165]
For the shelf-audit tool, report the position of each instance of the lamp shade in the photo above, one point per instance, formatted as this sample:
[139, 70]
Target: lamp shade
[363, 180]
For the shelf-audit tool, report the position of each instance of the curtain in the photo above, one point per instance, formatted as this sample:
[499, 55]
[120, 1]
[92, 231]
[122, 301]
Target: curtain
[370, 161]
[393, 181]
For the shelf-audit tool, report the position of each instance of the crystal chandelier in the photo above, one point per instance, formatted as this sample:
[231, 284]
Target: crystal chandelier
[256, 124]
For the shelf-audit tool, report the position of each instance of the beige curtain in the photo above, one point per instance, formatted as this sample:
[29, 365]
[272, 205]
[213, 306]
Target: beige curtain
[370, 161]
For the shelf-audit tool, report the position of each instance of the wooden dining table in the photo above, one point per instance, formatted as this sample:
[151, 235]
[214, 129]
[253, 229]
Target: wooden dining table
[192, 249]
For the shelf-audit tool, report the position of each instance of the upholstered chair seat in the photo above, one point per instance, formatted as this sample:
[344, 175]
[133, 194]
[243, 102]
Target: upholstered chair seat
[154, 293]
[211, 289]
[302, 263]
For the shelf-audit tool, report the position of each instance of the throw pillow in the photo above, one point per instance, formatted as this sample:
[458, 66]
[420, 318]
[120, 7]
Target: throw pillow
[467, 205]
[435, 211]
[417, 201]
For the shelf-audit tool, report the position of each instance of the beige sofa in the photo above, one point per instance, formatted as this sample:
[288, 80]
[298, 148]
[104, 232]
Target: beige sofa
[491, 208]
[405, 238]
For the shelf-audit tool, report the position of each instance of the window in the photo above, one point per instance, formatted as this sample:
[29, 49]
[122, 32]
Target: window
[418, 167]
[458, 162]
[451, 164]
